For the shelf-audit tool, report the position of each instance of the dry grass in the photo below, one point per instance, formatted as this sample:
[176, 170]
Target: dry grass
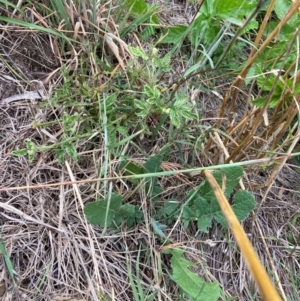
[57, 255]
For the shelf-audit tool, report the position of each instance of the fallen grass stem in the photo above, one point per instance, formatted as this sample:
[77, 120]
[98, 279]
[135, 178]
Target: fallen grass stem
[157, 174]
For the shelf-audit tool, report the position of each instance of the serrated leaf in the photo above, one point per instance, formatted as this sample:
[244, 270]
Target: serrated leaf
[137, 6]
[128, 213]
[70, 150]
[193, 286]
[204, 215]
[95, 212]
[122, 130]
[187, 114]
[168, 208]
[138, 52]
[147, 32]
[148, 91]
[228, 176]
[237, 8]
[259, 102]
[188, 213]
[204, 207]
[165, 60]
[153, 164]
[141, 104]
[174, 34]
[281, 7]
[126, 210]
[252, 25]
[180, 101]
[175, 118]
[243, 204]
[206, 211]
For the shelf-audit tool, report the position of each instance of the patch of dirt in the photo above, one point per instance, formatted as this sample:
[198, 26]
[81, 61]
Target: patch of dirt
[24, 58]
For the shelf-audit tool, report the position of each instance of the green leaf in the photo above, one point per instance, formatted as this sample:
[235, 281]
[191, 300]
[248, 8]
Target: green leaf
[158, 227]
[128, 213]
[229, 176]
[70, 150]
[164, 63]
[180, 101]
[8, 262]
[31, 149]
[168, 209]
[152, 188]
[141, 104]
[95, 212]
[133, 169]
[187, 114]
[19, 152]
[243, 204]
[274, 101]
[281, 7]
[204, 212]
[204, 207]
[137, 6]
[237, 8]
[252, 25]
[175, 118]
[268, 83]
[259, 102]
[126, 210]
[151, 92]
[297, 89]
[192, 285]
[138, 52]
[174, 34]
[153, 164]
[5, 2]
[37, 28]
[187, 215]
[122, 130]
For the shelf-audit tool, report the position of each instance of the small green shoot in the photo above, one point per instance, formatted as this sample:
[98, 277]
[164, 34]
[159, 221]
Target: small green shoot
[8, 262]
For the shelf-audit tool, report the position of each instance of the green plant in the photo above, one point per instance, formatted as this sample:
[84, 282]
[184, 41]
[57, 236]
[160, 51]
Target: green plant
[276, 67]
[8, 262]
[141, 12]
[110, 212]
[209, 29]
[139, 293]
[201, 204]
[281, 89]
[154, 100]
[203, 207]
[190, 283]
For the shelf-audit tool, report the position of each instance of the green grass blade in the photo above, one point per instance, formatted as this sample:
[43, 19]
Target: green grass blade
[36, 27]
[7, 260]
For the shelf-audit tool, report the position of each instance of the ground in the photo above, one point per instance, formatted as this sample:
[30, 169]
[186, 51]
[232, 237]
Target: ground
[57, 255]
